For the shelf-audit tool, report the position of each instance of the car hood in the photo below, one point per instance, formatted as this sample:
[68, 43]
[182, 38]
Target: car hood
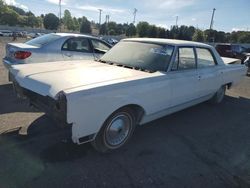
[228, 60]
[48, 79]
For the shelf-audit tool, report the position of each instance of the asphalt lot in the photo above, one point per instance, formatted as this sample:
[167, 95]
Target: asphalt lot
[202, 146]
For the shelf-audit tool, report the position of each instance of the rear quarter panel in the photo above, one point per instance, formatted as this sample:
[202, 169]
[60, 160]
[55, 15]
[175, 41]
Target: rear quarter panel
[234, 73]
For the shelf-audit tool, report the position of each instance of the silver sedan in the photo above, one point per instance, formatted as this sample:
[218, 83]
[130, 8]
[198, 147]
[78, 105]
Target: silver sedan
[55, 47]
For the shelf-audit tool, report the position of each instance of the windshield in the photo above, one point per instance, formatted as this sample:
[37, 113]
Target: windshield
[42, 40]
[140, 55]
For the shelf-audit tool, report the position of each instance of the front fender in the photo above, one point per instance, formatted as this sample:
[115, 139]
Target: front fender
[88, 113]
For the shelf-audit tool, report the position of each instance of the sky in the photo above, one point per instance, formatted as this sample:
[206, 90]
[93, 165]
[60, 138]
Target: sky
[230, 15]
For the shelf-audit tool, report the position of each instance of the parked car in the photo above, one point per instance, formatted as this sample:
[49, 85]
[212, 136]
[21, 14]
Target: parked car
[247, 63]
[137, 81]
[109, 40]
[6, 33]
[232, 50]
[112, 41]
[55, 47]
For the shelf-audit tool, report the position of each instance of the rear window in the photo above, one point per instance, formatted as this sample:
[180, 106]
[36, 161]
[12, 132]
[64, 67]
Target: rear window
[42, 40]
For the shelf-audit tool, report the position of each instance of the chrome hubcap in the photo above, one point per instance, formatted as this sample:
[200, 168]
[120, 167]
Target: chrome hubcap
[118, 130]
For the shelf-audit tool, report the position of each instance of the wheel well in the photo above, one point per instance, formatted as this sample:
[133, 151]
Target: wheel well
[138, 111]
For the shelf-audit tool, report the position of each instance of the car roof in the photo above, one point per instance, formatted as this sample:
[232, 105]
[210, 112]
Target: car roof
[168, 41]
[75, 35]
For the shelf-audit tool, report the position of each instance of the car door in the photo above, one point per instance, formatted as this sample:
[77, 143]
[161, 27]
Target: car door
[99, 48]
[184, 78]
[209, 73]
[77, 48]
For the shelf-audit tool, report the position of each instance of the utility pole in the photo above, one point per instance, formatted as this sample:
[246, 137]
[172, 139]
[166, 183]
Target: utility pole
[176, 21]
[134, 13]
[107, 18]
[60, 14]
[107, 22]
[212, 19]
[100, 17]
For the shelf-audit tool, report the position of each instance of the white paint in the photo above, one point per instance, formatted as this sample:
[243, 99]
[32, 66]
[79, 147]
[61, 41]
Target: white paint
[95, 90]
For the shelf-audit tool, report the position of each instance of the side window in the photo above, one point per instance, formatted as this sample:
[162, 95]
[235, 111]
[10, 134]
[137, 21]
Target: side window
[185, 59]
[77, 45]
[204, 58]
[100, 47]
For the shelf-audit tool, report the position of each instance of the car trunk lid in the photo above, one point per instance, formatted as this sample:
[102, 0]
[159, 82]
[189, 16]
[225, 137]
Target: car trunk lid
[12, 48]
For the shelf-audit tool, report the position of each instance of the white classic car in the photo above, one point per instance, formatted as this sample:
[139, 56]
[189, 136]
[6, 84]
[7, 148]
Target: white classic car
[137, 81]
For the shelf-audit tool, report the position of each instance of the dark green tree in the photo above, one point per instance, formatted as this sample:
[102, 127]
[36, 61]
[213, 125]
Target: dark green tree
[152, 31]
[18, 10]
[67, 20]
[111, 32]
[32, 21]
[198, 36]
[161, 33]
[85, 26]
[112, 26]
[103, 29]
[51, 21]
[9, 17]
[76, 25]
[119, 29]
[131, 30]
[143, 29]
[244, 37]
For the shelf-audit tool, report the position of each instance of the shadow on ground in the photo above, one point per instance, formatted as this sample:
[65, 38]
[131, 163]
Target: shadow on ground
[9, 102]
[204, 145]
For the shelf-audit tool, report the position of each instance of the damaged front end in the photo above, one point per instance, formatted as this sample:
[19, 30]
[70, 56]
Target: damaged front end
[56, 109]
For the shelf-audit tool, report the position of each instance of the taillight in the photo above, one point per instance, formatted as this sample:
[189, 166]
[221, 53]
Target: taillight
[22, 54]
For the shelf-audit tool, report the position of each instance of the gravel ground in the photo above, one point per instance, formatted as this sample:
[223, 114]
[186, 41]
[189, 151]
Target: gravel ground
[202, 146]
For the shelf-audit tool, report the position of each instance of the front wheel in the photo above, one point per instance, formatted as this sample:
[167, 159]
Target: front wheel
[116, 131]
[219, 95]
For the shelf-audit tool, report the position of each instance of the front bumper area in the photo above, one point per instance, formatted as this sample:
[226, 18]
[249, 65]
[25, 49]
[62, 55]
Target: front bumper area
[55, 109]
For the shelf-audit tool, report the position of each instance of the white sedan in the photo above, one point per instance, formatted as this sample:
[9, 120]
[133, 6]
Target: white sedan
[137, 81]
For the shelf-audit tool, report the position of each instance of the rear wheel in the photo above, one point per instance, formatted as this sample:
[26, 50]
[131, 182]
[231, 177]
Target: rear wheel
[219, 95]
[116, 131]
